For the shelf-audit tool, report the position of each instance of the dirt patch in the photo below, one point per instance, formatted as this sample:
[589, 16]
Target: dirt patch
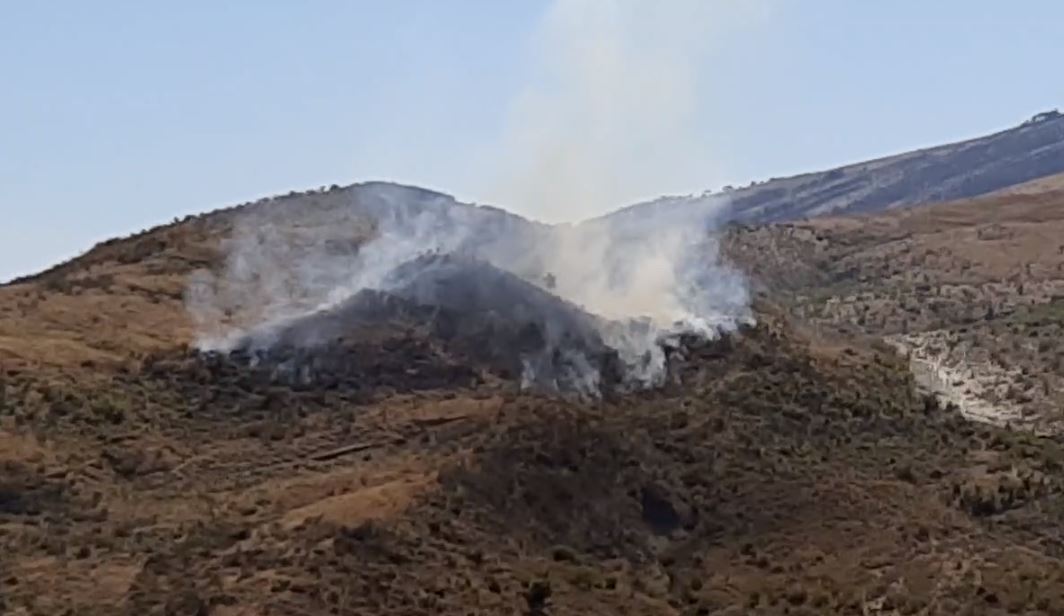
[376, 502]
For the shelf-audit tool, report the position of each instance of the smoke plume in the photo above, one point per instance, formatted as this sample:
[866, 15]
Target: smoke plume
[606, 117]
[609, 111]
[642, 278]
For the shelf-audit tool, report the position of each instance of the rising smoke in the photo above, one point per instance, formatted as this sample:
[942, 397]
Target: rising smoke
[297, 255]
[605, 118]
[609, 112]
[646, 283]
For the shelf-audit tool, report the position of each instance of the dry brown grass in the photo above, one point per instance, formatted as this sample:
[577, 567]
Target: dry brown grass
[118, 302]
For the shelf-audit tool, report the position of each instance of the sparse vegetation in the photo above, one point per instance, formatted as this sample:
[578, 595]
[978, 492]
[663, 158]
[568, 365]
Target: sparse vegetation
[792, 468]
[952, 285]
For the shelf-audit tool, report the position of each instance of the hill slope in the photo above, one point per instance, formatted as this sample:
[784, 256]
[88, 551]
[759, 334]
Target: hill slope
[776, 475]
[974, 290]
[943, 173]
[777, 471]
[133, 289]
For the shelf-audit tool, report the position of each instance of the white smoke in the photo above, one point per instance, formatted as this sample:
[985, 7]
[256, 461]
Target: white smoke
[665, 273]
[606, 117]
[298, 255]
[652, 276]
[609, 112]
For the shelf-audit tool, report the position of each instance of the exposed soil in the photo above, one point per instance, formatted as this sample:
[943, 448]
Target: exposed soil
[474, 314]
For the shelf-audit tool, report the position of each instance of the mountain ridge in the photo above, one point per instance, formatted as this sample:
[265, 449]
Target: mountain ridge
[936, 174]
[832, 191]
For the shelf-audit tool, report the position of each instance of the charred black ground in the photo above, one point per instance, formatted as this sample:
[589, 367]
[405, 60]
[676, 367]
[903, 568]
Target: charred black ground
[473, 313]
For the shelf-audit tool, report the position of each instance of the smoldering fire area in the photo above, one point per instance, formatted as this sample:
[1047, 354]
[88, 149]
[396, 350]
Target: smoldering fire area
[460, 294]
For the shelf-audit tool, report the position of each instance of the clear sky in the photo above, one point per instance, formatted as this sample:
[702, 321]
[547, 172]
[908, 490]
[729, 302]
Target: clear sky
[118, 115]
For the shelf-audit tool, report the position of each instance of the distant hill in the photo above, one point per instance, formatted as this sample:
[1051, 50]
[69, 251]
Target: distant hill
[1033, 150]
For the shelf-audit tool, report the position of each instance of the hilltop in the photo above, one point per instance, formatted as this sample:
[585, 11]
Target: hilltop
[145, 274]
[1014, 157]
[133, 288]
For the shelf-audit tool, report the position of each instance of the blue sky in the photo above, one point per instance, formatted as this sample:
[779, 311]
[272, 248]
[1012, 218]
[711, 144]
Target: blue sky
[115, 115]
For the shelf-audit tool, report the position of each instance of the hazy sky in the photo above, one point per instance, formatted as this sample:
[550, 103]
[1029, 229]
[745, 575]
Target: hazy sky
[115, 116]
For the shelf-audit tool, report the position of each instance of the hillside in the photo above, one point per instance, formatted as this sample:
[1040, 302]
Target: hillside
[973, 290]
[133, 289]
[777, 475]
[948, 172]
[781, 469]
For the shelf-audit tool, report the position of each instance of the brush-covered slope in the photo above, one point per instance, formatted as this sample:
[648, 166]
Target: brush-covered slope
[775, 472]
[973, 290]
[126, 297]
